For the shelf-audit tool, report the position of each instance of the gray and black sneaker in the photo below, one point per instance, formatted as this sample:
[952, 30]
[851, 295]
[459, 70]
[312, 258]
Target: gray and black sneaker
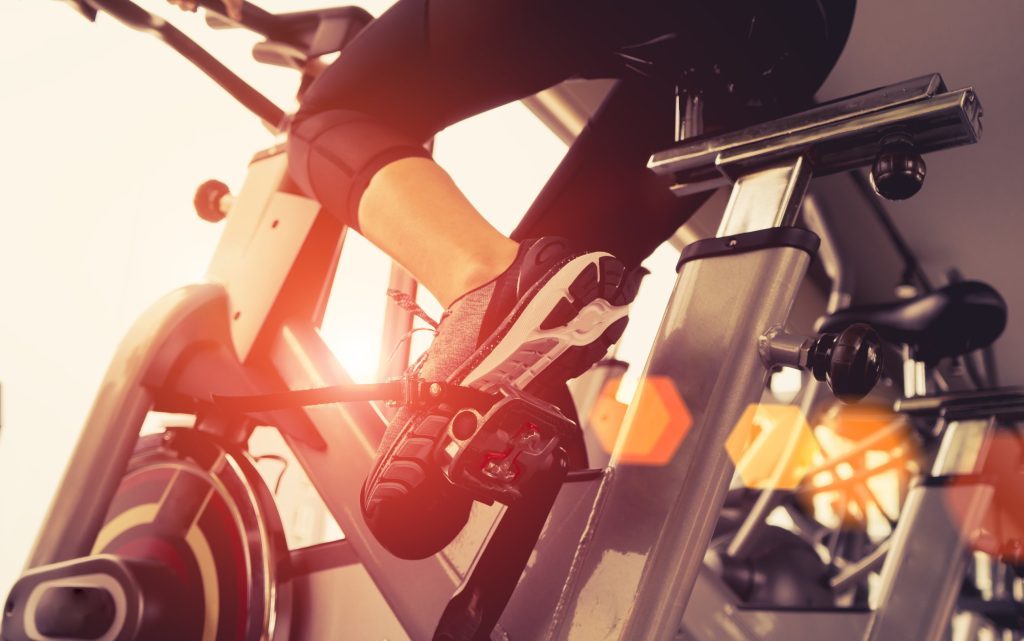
[546, 319]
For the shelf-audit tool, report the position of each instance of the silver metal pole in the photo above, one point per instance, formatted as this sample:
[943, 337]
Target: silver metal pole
[923, 572]
[638, 560]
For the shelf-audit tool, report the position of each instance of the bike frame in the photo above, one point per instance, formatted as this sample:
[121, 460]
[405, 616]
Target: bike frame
[627, 548]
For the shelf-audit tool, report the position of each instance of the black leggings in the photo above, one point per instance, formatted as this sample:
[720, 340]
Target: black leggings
[426, 64]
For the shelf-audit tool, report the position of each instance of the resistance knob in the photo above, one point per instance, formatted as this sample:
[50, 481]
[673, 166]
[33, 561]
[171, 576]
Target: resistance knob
[898, 171]
[850, 361]
[212, 201]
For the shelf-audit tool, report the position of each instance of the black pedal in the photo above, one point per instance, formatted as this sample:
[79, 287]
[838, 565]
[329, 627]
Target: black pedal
[496, 455]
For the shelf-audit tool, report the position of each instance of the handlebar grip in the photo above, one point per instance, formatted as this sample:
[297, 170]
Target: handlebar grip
[262, 22]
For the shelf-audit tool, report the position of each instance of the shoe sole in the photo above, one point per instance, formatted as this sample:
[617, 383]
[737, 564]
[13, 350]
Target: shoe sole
[562, 326]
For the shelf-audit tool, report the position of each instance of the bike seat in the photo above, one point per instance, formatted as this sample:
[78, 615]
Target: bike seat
[746, 54]
[949, 321]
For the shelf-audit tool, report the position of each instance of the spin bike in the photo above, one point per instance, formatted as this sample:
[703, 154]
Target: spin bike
[176, 536]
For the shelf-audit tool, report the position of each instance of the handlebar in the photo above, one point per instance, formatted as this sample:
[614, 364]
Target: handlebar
[273, 27]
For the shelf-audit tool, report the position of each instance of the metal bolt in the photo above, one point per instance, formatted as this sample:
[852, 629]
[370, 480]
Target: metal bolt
[435, 389]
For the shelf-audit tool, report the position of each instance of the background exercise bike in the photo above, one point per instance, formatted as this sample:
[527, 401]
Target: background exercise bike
[182, 487]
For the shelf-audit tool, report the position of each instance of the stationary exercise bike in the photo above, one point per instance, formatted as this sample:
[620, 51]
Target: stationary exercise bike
[176, 536]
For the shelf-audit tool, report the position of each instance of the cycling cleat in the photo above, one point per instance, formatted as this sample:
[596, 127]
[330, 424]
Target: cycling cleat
[496, 455]
[549, 317]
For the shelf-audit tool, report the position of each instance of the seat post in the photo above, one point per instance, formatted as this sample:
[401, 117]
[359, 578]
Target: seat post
[915, 376]
[689, 113]
[642, 567]
[645, 541]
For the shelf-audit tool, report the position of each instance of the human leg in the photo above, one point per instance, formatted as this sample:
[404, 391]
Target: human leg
[421, 67]
[356, 142]
[413, 211]
[602, 196]
[489, 336]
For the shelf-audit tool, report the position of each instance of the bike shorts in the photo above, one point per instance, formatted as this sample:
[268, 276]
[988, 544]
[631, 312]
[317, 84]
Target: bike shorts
[426, 64]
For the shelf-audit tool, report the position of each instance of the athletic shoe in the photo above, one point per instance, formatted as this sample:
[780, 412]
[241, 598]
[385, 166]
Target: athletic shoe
[546, 319]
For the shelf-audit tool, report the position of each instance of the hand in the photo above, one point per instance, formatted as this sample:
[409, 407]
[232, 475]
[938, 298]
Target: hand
[234, 7]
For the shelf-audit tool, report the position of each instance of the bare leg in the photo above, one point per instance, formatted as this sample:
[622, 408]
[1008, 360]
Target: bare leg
[414, 212]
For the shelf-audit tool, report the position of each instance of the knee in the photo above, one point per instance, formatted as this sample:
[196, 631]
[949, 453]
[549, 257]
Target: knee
[333, 154]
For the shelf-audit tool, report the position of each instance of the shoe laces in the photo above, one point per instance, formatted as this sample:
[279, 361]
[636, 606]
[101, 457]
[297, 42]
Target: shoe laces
[408, 303]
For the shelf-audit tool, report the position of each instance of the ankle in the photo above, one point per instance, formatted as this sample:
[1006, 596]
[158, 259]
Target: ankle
[480, 270]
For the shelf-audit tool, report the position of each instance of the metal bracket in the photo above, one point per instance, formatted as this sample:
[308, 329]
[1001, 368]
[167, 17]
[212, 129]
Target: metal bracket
[833, 137]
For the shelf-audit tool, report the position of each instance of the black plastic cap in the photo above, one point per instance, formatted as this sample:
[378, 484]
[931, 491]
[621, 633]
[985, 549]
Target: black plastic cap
[850, 362]
[898, 171]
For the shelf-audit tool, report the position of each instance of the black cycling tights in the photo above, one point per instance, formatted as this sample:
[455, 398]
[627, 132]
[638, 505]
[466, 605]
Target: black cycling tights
[425, 64]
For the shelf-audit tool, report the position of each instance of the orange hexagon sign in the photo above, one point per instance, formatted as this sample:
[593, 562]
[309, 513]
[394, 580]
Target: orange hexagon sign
[772, 447]
[650, 429]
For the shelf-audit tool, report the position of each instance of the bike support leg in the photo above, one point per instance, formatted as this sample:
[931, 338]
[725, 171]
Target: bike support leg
[176, 322]
[636, 566]
[924, 569]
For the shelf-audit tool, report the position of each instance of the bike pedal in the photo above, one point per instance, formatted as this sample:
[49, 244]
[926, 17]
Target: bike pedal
[495, 456]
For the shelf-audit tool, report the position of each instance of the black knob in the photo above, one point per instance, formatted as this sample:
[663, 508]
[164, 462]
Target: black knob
[209, 200]
[850, 362]
[898, 171]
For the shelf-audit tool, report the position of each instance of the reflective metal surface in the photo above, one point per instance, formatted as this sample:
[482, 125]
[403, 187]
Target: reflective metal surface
[923, 571]
[838, 136]
[777, 347]
[767, 198]
[644, 543]
[963, 446]
[915, 376]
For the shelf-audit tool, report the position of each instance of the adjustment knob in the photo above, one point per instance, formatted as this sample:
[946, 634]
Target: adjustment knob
[850, 362]
[212, 201]
[898, 171]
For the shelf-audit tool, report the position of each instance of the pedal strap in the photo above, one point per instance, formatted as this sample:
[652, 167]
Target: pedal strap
[404, 391]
